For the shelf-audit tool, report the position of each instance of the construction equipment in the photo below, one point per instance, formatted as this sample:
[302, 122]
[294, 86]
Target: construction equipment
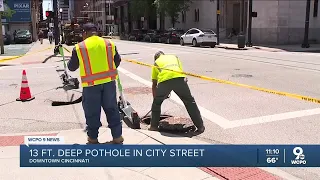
[72, 33]
[126, 111]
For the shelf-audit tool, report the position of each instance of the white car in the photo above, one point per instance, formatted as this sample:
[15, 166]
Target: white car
[197, 37]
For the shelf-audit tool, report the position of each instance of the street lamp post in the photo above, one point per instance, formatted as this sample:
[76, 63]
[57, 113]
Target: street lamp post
[60, 10]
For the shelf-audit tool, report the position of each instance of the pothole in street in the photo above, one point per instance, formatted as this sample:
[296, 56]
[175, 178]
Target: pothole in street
[138, 90]
[237, 69]
[172, 124]
[242, 75]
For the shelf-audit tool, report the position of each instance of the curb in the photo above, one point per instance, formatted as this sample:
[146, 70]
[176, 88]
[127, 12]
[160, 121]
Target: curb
[231, 48]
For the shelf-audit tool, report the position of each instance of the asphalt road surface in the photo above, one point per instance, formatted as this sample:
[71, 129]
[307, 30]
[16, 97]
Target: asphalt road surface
[232, 115]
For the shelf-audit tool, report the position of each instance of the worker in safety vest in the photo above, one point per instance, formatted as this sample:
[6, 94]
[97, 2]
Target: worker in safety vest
[164, 81]
[98, 60]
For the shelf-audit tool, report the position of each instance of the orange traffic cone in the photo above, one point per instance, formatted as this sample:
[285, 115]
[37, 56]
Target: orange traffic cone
[25, 94]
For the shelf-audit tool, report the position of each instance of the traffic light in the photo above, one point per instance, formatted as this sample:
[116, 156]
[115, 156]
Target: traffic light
[49, 14]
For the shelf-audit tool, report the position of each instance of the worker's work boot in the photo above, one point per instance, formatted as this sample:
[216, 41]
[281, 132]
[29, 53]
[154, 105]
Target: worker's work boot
[153, 128]
[118, 140]
[92, 141]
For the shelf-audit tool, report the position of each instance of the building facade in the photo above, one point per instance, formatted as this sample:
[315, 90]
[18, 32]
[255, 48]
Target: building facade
[65, 15]
[25, 17]
[277, 21]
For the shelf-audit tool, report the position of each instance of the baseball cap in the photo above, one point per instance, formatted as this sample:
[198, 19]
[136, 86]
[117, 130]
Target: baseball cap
[158, 54]
[89, 27]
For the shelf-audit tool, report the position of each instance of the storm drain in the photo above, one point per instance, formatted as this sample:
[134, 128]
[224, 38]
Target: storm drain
[242, 75]
[138, 90]
[172, 124]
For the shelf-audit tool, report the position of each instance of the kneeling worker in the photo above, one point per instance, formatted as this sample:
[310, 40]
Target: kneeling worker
[164, 81]
[98, 59]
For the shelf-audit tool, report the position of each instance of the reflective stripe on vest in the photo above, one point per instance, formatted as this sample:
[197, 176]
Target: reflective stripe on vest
[89, 77]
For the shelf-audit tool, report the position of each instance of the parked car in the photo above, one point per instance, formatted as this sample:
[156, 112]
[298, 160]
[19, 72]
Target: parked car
[23, 36]
[171, 36]
[137, 34]
[152, 36]
[197, 37]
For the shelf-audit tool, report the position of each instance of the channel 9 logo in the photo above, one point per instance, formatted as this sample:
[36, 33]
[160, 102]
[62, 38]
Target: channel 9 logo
[300, 157]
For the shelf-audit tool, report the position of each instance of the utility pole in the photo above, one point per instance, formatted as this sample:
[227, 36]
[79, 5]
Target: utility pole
[1, 36]
[242, 17]
[305, 43]
[218, 22]
[249, 43]
[56, 22]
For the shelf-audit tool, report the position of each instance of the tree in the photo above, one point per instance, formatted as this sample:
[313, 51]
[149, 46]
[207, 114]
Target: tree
[7, 11]
[173, 8]
[140, 8]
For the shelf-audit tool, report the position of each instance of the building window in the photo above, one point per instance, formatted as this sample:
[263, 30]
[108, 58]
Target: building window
[196, 15]
[315, 8]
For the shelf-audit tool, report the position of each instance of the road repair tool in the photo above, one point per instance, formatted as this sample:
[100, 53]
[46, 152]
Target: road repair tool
[126, 110]
[67, 80]
[68, 83]
[25, 93]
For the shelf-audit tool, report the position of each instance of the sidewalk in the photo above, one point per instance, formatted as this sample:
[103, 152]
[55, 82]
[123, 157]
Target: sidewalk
[275, 48]
[31, 57]
[9, 158]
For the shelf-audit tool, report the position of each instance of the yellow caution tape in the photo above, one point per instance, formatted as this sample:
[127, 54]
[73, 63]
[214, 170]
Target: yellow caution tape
[16, 57]
[296, 96]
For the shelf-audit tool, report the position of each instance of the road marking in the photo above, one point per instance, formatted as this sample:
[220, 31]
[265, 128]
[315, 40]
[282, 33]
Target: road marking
[220, 121]
[275, 117]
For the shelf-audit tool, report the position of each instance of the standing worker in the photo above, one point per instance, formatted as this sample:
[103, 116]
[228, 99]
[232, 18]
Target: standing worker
[98, 59]
[164, 81]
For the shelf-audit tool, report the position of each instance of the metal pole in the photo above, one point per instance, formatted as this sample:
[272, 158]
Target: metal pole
[305, 43]
[56, 22]
[242, 16]
[61, 27]
[249, 43]
[218, 22]
[1, 37]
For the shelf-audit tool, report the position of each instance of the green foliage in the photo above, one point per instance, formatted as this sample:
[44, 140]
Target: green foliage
[140, 8]
[173, 8]
[7, 12]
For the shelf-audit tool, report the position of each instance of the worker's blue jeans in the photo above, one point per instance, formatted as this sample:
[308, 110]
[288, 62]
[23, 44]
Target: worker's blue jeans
[105, 96]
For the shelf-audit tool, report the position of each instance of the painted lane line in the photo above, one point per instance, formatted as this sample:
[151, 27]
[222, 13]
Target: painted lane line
[275, 117]
[220, 121]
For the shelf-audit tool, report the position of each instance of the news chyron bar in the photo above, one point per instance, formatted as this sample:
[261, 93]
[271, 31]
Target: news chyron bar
[51, 151]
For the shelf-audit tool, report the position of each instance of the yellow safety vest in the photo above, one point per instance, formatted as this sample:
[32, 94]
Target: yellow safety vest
[171, 62]
[96, 61]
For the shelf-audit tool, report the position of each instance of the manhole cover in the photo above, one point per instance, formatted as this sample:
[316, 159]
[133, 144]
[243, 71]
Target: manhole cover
[242, 75]
[138, 90]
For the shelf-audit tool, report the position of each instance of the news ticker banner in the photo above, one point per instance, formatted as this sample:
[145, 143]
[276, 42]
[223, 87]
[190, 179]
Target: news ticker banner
[60, 155]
